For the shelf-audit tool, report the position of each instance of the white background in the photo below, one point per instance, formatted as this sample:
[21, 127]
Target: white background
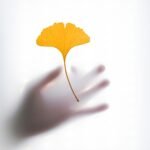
[120, 33]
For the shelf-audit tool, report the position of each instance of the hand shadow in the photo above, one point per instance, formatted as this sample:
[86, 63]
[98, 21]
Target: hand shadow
[39, 113]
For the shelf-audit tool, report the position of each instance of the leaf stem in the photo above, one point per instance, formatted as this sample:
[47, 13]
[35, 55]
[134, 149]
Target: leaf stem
[70, 82]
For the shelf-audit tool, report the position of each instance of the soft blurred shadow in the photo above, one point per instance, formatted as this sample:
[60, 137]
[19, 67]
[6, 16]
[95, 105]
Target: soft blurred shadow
[39, 113]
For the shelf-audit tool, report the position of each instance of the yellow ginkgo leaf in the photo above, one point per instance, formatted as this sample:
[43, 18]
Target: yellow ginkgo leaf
[63, 38]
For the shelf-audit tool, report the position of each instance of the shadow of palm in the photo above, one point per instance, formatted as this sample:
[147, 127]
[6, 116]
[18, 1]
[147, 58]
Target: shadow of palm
[37, 115]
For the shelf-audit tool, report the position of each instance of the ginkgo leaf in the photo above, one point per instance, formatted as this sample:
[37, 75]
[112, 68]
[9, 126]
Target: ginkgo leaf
[63, 38]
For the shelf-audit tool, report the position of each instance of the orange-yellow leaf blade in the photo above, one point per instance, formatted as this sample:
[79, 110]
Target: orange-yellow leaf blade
[62, 37]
